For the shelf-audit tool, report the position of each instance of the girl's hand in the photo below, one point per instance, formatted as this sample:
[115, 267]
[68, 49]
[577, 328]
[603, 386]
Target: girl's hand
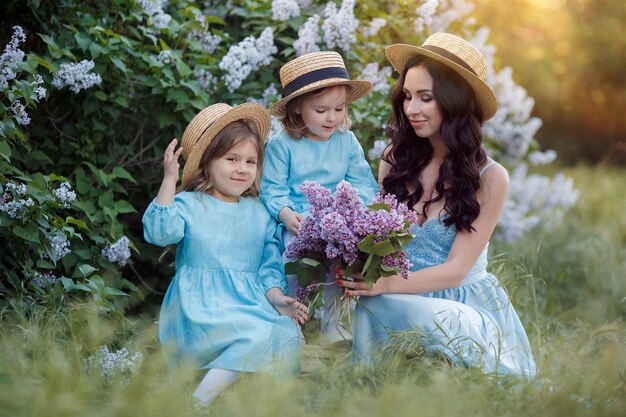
[291, 219]
[171, 167]
[287, 306]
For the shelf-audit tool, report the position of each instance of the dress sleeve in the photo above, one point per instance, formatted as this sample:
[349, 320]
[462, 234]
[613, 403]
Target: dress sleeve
[360, 173]
[163, 225]
[274, 187]
[271, 272]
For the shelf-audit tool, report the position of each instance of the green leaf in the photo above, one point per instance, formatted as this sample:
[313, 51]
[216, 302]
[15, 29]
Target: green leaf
[114, 291]
[83, 40]
[119, 172]
[30, 232]
[45, 63]
[5, 150]
[291, 267]
[124, 207]
[383, 248]
[77, 222]
[310, 262]
[119, 64]
[86, 269]
[379, 206]
[182, 68]
[100, 96]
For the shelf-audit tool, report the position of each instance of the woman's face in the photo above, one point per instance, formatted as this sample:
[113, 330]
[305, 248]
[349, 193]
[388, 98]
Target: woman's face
[419, 103]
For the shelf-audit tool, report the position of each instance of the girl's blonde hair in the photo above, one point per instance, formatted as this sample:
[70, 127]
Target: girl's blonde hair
[229, 137]
[292, 121]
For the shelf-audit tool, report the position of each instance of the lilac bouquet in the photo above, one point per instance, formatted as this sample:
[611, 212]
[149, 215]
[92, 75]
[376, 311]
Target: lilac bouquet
[367, 240]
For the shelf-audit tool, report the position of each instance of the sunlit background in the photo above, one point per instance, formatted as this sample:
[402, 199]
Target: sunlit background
[570, 56]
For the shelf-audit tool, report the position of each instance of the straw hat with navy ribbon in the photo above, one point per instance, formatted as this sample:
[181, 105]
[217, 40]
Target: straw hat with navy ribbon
[312, 71]
[456, 53]
[208, 123]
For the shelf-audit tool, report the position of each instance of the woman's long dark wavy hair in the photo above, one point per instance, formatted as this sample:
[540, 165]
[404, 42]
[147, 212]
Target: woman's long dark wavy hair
[461, 131]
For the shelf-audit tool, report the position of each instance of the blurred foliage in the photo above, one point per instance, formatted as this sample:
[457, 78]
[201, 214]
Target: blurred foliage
[571, 57]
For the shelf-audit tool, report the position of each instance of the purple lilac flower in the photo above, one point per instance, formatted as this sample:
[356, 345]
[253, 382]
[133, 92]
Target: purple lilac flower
[337, 223]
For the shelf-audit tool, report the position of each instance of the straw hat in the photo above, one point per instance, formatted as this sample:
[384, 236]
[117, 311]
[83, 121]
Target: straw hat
[208, 123]
[456, 53]
[312, 71]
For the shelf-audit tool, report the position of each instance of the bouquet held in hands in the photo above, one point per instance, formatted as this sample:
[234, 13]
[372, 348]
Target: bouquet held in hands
[367, 240]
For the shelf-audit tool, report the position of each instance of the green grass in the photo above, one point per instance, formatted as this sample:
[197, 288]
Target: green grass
[567, 283]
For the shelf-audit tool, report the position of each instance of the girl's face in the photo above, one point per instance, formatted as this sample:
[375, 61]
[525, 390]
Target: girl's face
[420, 106]
[322, 115]
[234, 172]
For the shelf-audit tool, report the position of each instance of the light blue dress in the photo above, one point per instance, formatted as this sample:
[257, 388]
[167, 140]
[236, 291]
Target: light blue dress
[215, 313]
[289, 162]
[474, 325]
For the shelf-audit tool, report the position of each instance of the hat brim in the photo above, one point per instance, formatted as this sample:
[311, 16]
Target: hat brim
[400, 54]
[358, 89]
[250, 111]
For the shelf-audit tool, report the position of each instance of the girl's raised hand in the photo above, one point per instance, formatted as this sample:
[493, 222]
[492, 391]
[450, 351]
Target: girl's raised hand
[171, 167]
[287, 306]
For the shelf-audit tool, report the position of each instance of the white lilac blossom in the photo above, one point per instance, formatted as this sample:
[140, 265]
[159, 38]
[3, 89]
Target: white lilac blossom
[11, 57]
[75, 76]
[425, 15]
[533, 199]
[118, 252]
[378, 78]
[277, 126]
[16, 189]
[64, 194]
[207, 40]
[19, 111]
[206, 79]
[377, 150]
[270, 95]
[40, 91]
[308, 36]
[45, 279]
[285, 9]
[60, 246]
[340, 25]
[248, 55]
[165, 57]
[373, 27]
[449, 12]
[15, 207]
[154, 10]
[541, 158]
[200, 19]
[109, 365]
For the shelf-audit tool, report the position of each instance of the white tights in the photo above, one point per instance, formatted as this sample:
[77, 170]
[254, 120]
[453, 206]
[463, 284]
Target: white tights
[213, 383]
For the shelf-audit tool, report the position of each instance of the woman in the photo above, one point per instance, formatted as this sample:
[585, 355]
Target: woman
[436, 164]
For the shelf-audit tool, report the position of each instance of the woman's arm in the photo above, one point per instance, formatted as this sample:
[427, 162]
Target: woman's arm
[465, 250]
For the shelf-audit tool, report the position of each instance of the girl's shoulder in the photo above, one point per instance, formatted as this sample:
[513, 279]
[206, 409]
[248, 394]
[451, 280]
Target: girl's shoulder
[494, 173]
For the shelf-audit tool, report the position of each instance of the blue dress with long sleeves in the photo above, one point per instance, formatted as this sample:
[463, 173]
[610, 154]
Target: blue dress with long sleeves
[215, 313]
[474, 325]
[289, 162]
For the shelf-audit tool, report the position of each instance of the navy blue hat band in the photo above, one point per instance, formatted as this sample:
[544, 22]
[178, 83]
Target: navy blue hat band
[314, 76]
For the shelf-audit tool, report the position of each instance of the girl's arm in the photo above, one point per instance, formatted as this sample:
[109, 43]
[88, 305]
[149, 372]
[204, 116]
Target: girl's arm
[274, 182]
[162, 222]
[359, 172]
[465, 250]
[171, 167]
[272, 277]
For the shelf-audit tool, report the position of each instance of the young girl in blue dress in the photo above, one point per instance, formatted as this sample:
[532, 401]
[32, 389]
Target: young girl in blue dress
[225, 309]
[315, 145]
[436, 164]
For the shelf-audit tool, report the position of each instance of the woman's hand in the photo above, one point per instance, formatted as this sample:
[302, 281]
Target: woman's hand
[291, 219]
[359, 287]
